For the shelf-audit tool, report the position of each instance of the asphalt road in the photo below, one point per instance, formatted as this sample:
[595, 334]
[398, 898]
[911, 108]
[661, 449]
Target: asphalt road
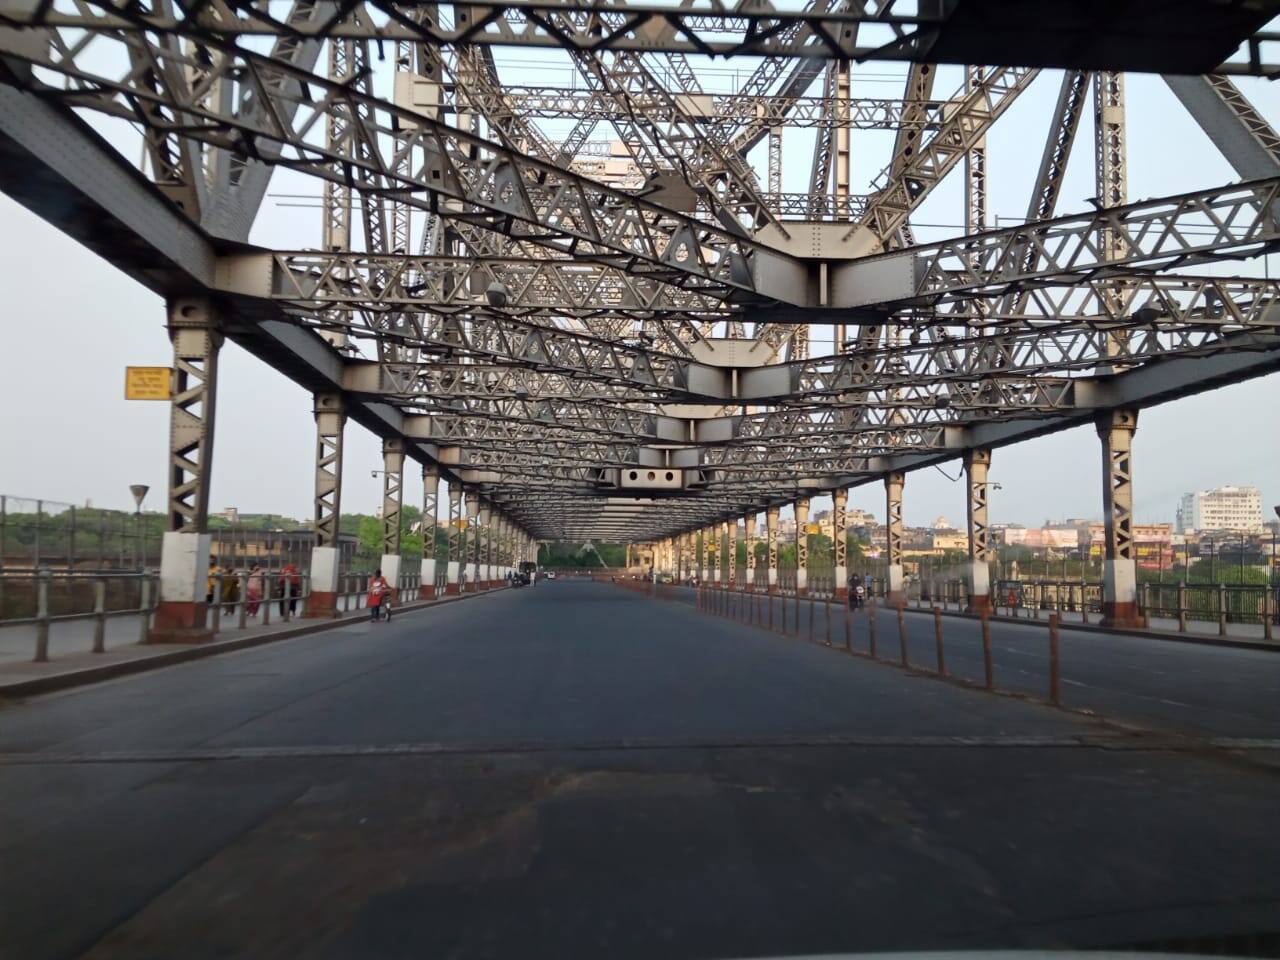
[573, 769]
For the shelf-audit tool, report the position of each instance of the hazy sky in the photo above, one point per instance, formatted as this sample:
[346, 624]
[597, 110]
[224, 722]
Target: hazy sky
[71, 323]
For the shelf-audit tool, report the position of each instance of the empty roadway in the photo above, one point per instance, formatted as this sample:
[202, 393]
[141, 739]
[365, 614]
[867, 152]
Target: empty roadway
[574, 768]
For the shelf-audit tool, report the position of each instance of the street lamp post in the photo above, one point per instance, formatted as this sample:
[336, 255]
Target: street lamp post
[139, 491]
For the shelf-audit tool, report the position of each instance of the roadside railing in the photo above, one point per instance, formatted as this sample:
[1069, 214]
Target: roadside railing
[43, 597]
[1219, 603]
[46, 597]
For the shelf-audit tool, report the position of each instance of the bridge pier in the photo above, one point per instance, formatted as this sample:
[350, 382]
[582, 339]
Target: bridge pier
[453, 559]
[331, 421]
[894, 593]
[182, 608]
[802, 546]
[976, 465]
[1119, 568]
[430, 519]
[731, 551]
[839, 520]
[749, 533]
[392, 500]
[473, 541]
[771, 544]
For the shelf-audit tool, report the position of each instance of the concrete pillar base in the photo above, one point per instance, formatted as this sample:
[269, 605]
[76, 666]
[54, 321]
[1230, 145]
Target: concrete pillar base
[390, 566]
[1123, 615]
[180, 621]
[452, 589]
[841, 594]
[427, 591]
[895, 599]
[979, 604]
[321, 605]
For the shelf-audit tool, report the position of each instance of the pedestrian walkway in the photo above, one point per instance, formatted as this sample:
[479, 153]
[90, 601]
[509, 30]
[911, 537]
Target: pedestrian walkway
[72, 662]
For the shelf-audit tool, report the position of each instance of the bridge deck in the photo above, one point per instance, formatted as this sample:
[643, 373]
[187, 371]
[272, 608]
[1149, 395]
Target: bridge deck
[575, 768]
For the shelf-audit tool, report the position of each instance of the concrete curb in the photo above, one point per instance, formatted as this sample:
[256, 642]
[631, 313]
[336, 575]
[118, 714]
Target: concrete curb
[34, 686]
[1193, 638]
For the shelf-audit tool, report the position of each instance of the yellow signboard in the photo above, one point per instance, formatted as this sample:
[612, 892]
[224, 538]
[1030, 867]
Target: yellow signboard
[147, 383]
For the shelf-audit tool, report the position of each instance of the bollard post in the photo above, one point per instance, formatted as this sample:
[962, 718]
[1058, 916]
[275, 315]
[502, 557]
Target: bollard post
[1054, 693]
[902, 635]
[828, 620]
[797, 606]
[871, 626]
[848, 634]
[987, 672]
[1267, 614]
[243, 620]
[266, 599]
[810, 618]
[937, 640]
[144, 606]
[99, 616]
[1222, 609]
[1182, 607]
[783, 605]
[42, 616]
[770, 602]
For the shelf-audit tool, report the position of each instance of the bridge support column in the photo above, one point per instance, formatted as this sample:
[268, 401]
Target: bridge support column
[493, 547]
[771, 544]
[839, 540]
[392, 500]
[976, 465]
[894, 593]
[473, 541]
[802, 546]
[184, 552]
[430, 519]
[484, 545]
[1119, 569]
[453, 558]
[708, 546]
[331, 419]
[749, 535]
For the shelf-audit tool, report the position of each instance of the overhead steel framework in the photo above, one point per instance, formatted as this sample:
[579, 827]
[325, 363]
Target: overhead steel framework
[554, 262]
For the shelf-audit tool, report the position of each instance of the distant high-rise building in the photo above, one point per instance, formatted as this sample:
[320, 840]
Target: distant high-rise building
[1223, 508]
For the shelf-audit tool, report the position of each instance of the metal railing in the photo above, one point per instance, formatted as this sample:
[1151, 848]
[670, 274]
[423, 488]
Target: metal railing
[1216, 603]
[62, 596]
[44, 597]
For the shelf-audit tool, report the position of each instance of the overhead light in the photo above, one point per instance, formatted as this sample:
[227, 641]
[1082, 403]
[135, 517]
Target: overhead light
[496, 293]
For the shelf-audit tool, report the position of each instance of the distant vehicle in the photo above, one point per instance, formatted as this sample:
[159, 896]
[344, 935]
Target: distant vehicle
[551, 574]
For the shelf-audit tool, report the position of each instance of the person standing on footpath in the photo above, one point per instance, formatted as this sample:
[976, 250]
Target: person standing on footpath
[379, 594]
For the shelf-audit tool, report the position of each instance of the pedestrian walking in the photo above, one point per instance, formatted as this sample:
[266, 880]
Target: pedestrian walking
[290, 587]
[379, 594]
[211, 584]
[253, 590]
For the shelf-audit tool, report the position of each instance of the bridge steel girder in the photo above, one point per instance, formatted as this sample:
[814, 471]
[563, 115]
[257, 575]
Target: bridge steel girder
[603, 356]
[1185, 38]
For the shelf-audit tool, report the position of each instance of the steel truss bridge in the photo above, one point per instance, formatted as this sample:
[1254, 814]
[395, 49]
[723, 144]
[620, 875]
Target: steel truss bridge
[557, 267]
